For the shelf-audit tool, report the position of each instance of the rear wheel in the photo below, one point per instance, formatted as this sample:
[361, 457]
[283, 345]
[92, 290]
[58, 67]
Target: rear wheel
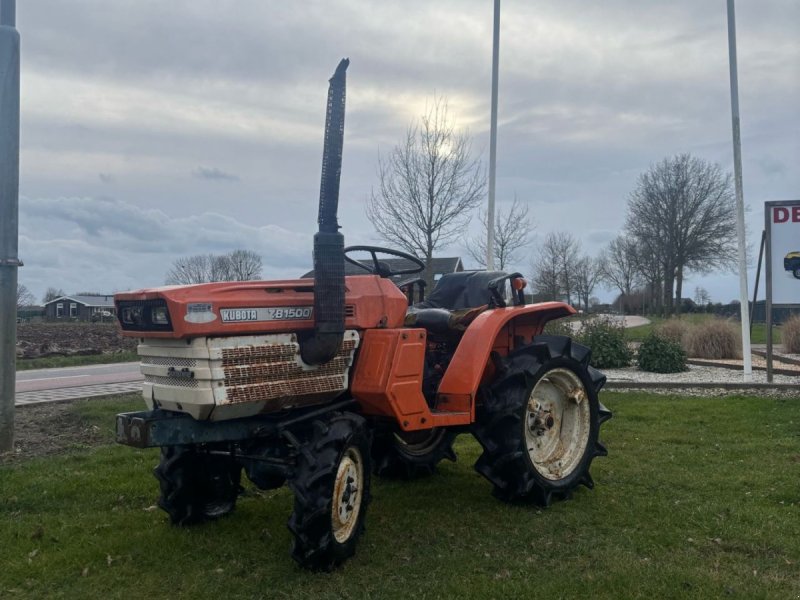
[331, 491]
[412, 453]
[196, 486]
[539, 422]
[796, 272]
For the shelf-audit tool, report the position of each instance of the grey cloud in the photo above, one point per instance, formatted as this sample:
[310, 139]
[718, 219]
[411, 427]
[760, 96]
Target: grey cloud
[590, 95]
[105, 177]
[214, 174]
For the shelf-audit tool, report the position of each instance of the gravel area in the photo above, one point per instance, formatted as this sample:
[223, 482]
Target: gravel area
[695, 374]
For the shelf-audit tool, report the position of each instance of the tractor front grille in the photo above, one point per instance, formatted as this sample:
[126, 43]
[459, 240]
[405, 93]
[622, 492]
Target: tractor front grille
[211, 377]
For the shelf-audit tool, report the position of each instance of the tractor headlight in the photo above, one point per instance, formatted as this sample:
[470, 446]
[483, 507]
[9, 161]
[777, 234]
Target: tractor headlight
[144, 315]
[159, 315]
[131, 315]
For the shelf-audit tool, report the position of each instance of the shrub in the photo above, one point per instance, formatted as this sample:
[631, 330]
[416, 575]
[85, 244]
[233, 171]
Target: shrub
[606, 338]
[560, 327]
[790, 334]
[661, 355]
[673, 329]
[715, 338]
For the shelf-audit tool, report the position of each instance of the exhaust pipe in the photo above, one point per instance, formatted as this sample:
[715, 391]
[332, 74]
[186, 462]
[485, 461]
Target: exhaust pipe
[326, 340]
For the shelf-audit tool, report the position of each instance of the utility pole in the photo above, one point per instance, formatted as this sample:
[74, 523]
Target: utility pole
[493, 139]
[9, 209]
[737, 174]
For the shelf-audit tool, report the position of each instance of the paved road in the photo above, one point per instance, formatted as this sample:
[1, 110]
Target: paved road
[50, 385]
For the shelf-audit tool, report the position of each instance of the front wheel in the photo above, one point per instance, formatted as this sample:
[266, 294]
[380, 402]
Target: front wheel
[796, 272]
[331, 491]
[196, 486]
[539, 422]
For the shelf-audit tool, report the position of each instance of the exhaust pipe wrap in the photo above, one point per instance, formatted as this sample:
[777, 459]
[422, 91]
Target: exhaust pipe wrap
[329, 292]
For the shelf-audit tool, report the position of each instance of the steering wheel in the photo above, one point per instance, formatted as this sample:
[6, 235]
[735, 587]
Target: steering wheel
[381, 268]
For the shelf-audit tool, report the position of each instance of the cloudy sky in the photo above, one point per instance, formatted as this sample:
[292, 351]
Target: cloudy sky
[153, 130]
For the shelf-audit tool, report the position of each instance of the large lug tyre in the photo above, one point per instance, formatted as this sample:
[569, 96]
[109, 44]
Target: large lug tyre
[796, 272]
[413, 453]
[195, 486]
[331, 485]
[539, 422]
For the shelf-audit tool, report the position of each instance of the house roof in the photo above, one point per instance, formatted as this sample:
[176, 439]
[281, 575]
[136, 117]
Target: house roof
[105, 301]
[440, 266]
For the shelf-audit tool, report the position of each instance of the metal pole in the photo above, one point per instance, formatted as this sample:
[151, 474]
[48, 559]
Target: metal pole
[737, 170]
[758, 278]
[9, 205]
[768, 303]
[493, 139]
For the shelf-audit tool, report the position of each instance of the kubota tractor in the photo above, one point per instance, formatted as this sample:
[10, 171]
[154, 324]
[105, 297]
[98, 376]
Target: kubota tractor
[319, 383]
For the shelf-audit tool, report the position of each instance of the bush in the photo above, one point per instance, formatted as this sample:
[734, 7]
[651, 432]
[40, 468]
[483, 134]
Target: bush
[674, 330]
[790, 334]
[561, 327]
[661, 355]
[606, 338]
[715, 338]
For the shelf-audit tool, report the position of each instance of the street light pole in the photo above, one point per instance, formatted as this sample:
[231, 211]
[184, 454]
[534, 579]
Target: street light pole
[9, 207]
[493, 139]
[737, 171]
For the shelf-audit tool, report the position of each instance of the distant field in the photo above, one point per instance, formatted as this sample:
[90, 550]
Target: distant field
[697, 498]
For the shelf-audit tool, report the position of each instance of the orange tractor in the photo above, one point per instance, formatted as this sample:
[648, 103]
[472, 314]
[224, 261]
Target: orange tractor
[319, 383]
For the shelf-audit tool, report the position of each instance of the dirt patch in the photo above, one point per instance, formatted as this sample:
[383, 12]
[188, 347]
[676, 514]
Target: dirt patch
[38, 340]
[51, 428]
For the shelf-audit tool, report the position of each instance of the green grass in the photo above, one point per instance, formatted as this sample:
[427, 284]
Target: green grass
[758, 336]
[51, 362]
[697, 498]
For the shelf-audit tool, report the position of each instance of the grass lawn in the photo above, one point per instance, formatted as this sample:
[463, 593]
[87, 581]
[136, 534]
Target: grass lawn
[697, 498]
[758, 336]
[26, 364]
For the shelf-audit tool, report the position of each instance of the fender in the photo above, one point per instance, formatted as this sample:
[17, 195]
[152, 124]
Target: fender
[499, 330]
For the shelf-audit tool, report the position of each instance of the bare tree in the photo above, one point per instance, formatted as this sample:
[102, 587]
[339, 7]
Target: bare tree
[52, 293]
[24, 296]
[554, 272]
[429, 184]
[619, 267]
[684, 208]
[239, 265]
[587, 275]
[701, 296]
[512, 234]
[244, 265]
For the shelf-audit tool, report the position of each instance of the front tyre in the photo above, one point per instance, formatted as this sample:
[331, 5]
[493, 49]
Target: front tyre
[539, 422]
[331, 486]
[196, 486]
[796, 272]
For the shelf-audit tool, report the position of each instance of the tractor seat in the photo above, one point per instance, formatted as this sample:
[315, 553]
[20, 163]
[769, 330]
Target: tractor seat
[454, 303]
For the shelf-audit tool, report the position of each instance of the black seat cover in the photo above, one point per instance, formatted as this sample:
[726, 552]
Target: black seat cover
[457, 291]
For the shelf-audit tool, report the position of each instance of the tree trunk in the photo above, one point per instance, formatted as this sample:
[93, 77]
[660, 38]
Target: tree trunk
[429, 283]
[669, 282]
[679, 290]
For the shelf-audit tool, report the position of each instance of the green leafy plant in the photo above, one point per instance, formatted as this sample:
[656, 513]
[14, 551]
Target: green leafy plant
[661, 355]
[606, 338]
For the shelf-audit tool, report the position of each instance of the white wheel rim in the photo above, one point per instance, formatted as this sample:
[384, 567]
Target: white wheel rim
[347, 495]
[556, 424]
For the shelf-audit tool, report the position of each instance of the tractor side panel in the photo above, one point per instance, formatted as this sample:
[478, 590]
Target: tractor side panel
[498, 330]
[388, 376]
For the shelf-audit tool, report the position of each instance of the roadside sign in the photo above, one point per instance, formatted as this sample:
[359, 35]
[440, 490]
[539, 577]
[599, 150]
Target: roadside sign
[782, 227]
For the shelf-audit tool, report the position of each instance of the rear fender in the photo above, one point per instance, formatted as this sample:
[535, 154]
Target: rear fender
[499, 330]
